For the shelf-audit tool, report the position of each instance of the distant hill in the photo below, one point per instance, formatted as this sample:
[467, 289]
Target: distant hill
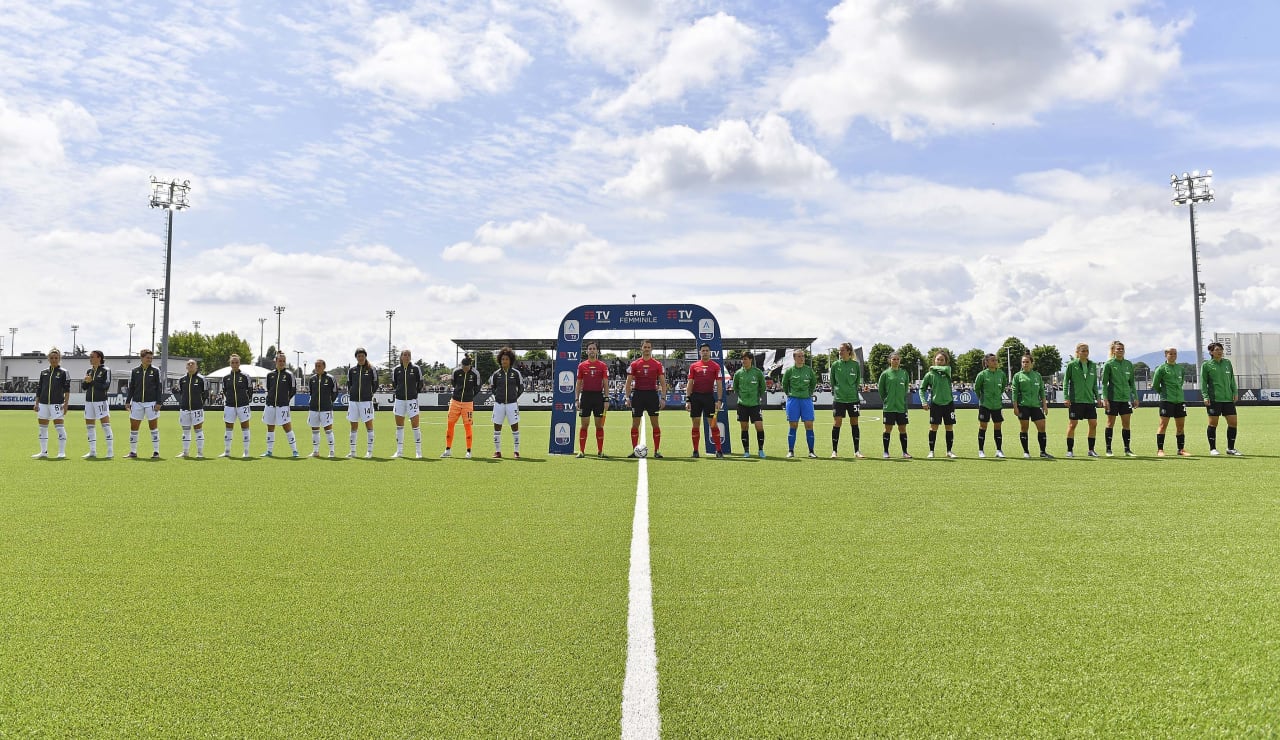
[1155, 359]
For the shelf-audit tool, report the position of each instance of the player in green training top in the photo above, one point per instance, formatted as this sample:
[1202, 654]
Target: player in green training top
[989, 387]
[1119, 395]
[748, 384]
[1030, 404]
[1080, 394]
[893, 387]
[1218, 384]
[799, 383]
[846, 378]
[1167, 382]
[935, 396]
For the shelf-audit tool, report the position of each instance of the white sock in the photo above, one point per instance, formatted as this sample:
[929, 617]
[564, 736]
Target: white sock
[155, 441]
[497, 441]
[199, 441]
[417, 438]
[399, 439]
[315, 441]
[352, 443]
[44, 439]
[515, 440]
[370, 447]
[226, 441]
[93, 440]
[293, 440]
[246, 441]
[62, 439]
[133, 442]
[271, 441]
[111, 442]
[186, 440]
[329, 437]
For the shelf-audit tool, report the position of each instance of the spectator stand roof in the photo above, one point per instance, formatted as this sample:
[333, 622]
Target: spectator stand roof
[622, 345]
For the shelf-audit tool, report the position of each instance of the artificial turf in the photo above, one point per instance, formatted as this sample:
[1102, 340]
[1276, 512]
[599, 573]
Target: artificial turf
[792, 597]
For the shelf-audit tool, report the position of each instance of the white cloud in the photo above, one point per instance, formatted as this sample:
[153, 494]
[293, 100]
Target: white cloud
[618, 34]
[376, 253]
[35, 137]
[430, 65]
[713, 48]
[452, 293]
[469, 252]
[492, 239]
[733, 154]
[916, 67]
[220, 288]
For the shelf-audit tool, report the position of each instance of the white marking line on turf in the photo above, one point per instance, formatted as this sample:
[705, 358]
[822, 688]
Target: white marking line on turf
[640, 686]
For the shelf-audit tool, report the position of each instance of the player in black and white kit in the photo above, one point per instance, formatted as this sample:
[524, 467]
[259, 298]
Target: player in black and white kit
[407, 379]
[280, 390]
[191, 394]
[320, 408]
[52, 394]
[362, 381]
[506, 384]
[143, 399]
[96, 386]
[236, 397]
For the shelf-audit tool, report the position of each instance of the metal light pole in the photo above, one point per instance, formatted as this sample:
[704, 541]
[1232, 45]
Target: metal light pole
[74, 328]
[171, 196]
[298, 354]
[1187, 191]
[156, 294]
[279, 310]
[391, 361]
[131, 325]
[196, 324]
[13, 349]
[262, 336]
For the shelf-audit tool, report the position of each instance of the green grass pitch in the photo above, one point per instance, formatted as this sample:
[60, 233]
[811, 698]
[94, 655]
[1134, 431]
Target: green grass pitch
[793, 598]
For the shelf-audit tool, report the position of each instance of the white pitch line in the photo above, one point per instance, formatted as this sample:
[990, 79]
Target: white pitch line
[640, 686]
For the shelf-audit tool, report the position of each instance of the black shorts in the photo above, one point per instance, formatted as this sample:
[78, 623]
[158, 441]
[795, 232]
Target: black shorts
[1031, 413]
[701, 405]
[942, 414]
[840, 408]
[1222, 408]
[1172, 410]
[1082, 410]
[1119, 408]
[985, 415]
[894, 417]
[644, 401]
[592, 404]
[748, 413]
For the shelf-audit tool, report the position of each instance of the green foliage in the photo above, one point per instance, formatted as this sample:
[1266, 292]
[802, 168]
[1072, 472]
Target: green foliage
[1013, 349]
[1046, 360]
[735, 354]
[913, 360]
[269, 359]
[633, 353]
[486, 363]
[212, 351]
[878, 360]
[1188, 372]
[821, 363]
[1141, 371]
[536, 354]
[969, 364]
[676, 354]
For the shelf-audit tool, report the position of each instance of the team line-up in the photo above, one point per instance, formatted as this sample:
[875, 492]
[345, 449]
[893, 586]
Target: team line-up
[1087, 386]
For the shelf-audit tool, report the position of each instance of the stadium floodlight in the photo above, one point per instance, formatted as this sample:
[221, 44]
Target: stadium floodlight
[298, 354]
[13, 349]
[1189, 190]
[391, 361]
[131, 325]
[196, 324]
[279, 310]
[171, 196]
[262, 336]
[74, 328]
[156, 294]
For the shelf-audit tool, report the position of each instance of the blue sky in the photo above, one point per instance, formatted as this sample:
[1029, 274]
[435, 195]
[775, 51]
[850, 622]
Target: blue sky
[935, 171]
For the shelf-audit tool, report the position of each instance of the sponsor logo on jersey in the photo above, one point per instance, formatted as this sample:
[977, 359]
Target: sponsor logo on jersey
[562, 434]
[566, 382]
[571, 330]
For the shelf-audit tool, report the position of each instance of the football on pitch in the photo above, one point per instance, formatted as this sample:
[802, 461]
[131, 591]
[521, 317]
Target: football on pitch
[641, 451]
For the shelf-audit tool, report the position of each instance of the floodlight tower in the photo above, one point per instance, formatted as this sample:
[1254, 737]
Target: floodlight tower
[157, 294]
[262, 336]
[1188, 190]
[171, 196]
[13, 349]
[279, 311]
[74, 328]
[131, 325]
[391, 361]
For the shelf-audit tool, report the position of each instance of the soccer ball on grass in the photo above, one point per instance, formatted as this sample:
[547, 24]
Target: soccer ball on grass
[641, 450]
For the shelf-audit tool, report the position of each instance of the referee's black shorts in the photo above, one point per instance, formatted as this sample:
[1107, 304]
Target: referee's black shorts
[643, 402]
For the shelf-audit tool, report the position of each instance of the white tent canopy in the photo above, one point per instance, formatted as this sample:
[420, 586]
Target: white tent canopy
[253, 371]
